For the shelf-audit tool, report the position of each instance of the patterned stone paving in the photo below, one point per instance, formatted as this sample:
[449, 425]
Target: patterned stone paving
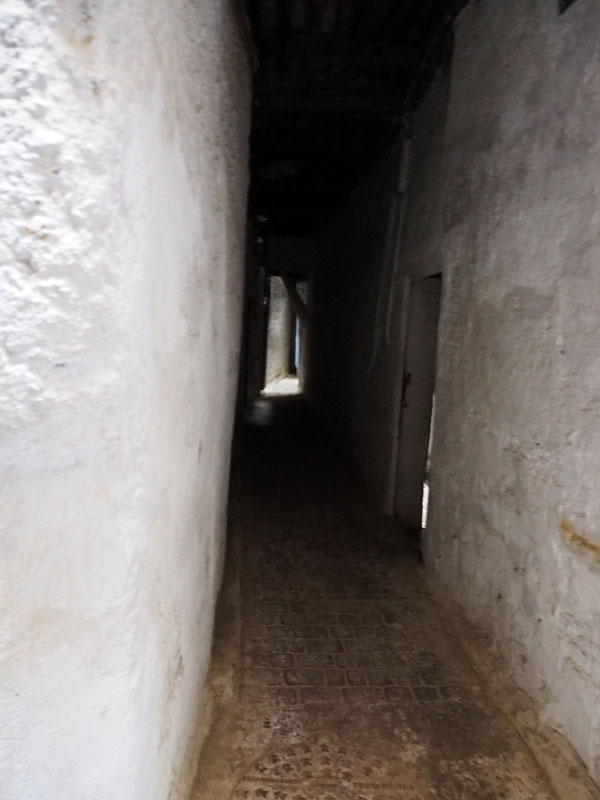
[351, 687]
[320, 769]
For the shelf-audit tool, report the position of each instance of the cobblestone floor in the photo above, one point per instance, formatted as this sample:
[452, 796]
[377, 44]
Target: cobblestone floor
[352, 687]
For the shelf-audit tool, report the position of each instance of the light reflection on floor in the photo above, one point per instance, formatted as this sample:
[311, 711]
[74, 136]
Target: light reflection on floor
[260, 413]
[282, 386]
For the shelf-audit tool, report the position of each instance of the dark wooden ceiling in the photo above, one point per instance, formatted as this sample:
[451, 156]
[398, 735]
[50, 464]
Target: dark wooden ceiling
[334, 81]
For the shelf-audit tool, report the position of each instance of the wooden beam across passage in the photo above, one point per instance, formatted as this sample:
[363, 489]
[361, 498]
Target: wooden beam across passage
[295, 299]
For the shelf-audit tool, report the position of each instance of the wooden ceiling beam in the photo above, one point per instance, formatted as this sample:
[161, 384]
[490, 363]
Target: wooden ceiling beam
[324, 45]
[348, 100]
[334, 81]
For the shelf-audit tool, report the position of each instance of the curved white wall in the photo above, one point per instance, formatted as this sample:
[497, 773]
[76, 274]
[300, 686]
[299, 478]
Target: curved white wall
[122, 224]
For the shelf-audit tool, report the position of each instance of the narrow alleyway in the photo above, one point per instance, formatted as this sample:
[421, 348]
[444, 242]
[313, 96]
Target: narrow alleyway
[352, 687]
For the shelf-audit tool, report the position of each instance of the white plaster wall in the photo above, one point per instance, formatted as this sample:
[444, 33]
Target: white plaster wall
[278, 332]
[122, 199]
[515, 510]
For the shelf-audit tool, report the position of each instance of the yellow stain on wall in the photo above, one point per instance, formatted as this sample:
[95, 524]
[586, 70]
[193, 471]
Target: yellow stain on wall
[578, 542]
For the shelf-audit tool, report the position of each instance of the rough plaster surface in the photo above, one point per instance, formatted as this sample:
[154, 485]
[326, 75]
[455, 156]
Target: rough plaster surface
[515, 512]
[121, 226]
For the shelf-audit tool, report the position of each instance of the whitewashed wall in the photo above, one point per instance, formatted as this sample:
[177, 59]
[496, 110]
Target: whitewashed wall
[278, 332]
[503, 199]
[515, 506]
[122, 204]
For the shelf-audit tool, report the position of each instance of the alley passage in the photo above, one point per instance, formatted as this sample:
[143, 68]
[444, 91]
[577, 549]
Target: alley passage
[352, 687]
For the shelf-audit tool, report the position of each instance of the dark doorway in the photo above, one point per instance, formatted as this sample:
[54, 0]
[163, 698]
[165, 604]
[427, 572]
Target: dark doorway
[416, 414]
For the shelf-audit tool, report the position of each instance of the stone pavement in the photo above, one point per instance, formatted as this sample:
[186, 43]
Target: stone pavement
[352, 687]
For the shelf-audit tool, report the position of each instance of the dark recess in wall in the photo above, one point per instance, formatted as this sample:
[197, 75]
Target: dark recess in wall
[564, 4]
